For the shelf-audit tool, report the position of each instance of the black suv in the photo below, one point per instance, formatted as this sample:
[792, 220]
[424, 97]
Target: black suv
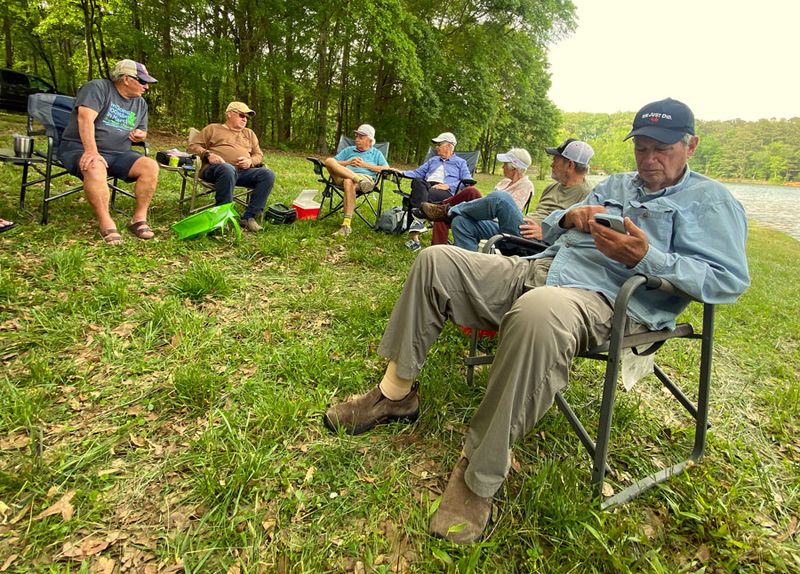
[15, 87]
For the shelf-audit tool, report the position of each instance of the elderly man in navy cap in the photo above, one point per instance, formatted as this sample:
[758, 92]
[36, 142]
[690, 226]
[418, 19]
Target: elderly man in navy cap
[435, 180]
[678, 225]
[108, 116]
[355, 168]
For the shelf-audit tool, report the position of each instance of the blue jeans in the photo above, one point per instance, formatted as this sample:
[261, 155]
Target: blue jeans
[482, 218]
[225, 177]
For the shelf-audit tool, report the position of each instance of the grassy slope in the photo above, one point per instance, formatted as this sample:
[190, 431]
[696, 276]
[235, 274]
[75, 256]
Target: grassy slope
[169, 394]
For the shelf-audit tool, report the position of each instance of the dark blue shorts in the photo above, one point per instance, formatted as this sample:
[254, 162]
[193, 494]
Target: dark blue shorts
[119, 164]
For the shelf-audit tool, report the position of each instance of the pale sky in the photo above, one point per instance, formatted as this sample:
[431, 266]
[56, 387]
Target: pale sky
[725, 59]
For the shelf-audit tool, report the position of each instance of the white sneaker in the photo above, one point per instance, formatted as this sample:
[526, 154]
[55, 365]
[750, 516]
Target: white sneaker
[413, 245]
[417, 226]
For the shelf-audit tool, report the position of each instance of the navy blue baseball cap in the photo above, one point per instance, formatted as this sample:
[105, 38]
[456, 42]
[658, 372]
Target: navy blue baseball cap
[665, 121]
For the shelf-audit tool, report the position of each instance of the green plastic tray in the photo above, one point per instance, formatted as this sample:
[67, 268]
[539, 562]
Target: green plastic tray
[208, 220]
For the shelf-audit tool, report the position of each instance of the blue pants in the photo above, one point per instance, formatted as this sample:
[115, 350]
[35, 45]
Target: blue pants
[225, 177]
[482, 218]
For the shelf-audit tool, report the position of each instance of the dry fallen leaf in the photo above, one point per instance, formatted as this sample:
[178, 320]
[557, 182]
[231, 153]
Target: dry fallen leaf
[8, 562]
[103, 565]
[62, 507]
[703, 553]
[89, 547]
[14, 442]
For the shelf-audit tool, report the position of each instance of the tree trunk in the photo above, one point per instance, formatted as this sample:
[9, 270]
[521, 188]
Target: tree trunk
[320, 123]
[8, 43]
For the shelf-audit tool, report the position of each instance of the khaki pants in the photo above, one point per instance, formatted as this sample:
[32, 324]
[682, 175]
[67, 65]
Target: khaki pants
[541, 329]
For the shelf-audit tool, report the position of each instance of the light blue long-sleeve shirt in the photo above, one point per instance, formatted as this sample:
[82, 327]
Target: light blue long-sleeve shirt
[696, 231]
[455, 169]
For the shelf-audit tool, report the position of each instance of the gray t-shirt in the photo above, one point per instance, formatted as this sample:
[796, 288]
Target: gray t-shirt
[116, 118]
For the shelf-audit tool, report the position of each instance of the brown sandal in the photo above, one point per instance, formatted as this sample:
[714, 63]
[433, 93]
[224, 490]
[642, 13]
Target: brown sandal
[141, 230]
[111, 236]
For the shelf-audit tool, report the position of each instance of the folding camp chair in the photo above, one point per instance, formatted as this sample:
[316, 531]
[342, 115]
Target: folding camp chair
[195, 190]
[641, 344]
[471, 157]
[370, 202]
[52, 112]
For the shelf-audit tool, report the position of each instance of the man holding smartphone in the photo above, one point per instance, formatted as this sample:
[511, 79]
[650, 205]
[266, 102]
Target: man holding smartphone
[680, 226]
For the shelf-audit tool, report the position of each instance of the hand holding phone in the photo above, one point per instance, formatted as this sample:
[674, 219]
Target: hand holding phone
[615, 222]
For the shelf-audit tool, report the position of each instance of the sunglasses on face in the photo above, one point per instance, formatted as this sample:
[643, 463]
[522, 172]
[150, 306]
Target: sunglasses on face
[141, 81]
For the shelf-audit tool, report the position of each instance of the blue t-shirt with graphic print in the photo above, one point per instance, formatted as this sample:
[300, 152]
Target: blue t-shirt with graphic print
[116, 118]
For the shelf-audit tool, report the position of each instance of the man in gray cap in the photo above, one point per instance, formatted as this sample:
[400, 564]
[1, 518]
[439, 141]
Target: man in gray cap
[231, 156]
[108, 116]
[500, 213]
[678, 225]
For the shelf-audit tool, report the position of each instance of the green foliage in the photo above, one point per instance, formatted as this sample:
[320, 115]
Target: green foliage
[203, 279]
[315, 70]
[766, 150]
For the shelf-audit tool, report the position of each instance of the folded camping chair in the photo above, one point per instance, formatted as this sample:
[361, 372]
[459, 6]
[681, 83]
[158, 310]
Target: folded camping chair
[471, 157]
[52, 112]
[610, 352]
[195, 192]
[370, 203]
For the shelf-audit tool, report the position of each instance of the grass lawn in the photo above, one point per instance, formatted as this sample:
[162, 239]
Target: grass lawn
[160, 411]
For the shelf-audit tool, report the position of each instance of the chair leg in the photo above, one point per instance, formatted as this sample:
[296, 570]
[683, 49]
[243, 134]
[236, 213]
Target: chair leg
[473, 348]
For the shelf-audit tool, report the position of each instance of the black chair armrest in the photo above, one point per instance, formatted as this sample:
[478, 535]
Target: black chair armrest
[468, 181]
[318, 165]
[509, 244]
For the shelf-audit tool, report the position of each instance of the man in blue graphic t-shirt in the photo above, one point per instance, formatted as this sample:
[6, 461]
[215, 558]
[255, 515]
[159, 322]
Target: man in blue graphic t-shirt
[108, 116]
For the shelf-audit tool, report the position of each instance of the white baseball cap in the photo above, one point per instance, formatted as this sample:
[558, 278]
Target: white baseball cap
[366, 130]
[572, 149]
[445, 137]
[517, 157]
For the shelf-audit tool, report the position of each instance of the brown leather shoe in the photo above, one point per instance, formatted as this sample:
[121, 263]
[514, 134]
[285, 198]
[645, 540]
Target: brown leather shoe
[435, 211]
[462, 515]
[362, 412]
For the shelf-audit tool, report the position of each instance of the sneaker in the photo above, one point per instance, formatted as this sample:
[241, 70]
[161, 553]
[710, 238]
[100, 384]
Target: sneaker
[413, 245]
[417, 226]
[344, 231]
[462, 515]
[250, 224]
[362, 412]
[435, 211]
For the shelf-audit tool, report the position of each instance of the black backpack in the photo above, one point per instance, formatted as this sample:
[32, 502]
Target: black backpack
[394, 220]
[281, 213]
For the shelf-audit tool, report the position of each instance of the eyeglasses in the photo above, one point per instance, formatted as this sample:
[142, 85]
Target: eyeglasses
[141, 81]
[244, 116]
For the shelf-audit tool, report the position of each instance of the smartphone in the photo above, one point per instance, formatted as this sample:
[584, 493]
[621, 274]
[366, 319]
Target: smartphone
[615, 222]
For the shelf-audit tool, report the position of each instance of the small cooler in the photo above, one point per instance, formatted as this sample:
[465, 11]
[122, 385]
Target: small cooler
[305, 206]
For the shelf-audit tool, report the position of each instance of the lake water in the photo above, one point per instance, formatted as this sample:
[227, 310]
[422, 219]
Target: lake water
[774, 206]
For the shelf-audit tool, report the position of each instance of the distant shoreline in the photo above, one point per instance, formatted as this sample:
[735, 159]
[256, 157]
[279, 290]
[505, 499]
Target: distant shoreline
[760, 182]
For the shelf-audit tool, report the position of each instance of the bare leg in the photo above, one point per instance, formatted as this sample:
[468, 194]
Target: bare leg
[145, 172]
[95, 188]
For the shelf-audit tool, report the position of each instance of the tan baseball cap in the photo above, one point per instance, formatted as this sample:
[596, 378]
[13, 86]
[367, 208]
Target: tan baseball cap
[241, 108]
